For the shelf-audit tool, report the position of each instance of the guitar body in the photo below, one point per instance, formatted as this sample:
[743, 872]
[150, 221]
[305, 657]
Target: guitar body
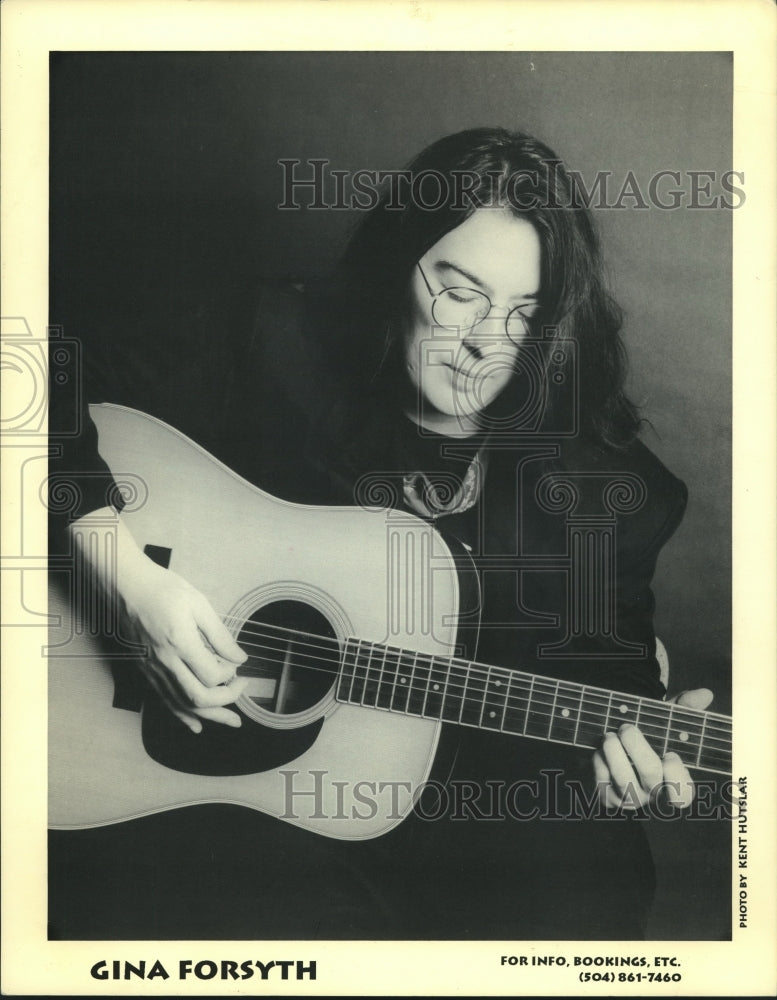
[380, 575]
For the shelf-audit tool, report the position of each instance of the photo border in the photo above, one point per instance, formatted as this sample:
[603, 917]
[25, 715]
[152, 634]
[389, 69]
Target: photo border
[31, 29]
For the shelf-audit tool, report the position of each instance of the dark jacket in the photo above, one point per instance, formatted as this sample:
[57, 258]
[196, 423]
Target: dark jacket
[564, 539]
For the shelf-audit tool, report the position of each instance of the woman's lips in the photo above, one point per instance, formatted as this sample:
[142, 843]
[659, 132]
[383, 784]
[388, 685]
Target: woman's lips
[463, 373]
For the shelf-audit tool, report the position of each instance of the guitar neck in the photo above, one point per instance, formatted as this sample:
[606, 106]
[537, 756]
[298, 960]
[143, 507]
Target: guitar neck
[516, 703]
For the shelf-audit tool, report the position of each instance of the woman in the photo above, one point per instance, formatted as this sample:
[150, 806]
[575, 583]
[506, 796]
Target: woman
[466, 358]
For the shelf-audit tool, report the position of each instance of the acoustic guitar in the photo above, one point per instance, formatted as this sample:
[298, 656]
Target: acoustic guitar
[349, 616]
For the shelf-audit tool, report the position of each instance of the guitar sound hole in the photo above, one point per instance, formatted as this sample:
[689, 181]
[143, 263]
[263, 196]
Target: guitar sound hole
[293, 657]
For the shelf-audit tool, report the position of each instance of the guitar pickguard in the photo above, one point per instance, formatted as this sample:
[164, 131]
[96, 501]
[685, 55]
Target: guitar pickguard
[220, 750]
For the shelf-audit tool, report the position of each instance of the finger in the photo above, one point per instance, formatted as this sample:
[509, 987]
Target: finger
[236, 686]
[162, 682]
[698, 698]
[644, 759]
[607, 793]
[601, 773]
[168, 698]
[216, 632]
[614, 803]
[622, 775]
[224, 716]
[190, 691]
[678, 783]
[201, 661]
[602, 776]
[189, 720]
[192, 717]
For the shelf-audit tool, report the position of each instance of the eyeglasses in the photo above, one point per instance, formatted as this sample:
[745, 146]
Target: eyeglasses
[462, 308]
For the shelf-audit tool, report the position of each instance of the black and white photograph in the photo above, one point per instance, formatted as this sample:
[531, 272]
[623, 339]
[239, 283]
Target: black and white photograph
[388, 485]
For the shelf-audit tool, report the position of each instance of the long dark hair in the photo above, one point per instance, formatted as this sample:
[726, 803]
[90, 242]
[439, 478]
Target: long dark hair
[478, 168]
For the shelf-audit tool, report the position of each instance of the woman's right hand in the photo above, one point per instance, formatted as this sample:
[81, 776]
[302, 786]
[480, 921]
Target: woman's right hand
[190, 657]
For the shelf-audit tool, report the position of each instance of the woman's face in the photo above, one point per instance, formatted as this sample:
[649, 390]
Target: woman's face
[457, 373]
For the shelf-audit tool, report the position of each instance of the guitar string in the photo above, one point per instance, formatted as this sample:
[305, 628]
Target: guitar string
[646, 711]
[506, 704]
[696, 715]
[472, 668]
[333, 646]
[517, 702]
[682, 714]
[416, 706]
[668, 712]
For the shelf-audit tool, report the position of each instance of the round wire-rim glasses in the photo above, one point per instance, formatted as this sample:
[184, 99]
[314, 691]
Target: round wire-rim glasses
[462, 308]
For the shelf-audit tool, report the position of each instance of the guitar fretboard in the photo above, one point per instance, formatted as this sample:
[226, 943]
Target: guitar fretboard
[522, 704]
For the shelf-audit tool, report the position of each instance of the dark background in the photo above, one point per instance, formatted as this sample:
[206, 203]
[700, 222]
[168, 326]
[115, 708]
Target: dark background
[164, 191]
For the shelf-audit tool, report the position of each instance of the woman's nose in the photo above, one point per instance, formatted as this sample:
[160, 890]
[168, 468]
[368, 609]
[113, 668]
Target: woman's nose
[491, 330]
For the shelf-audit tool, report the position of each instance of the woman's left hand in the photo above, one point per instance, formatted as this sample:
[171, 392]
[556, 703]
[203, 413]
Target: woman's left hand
[630, 774]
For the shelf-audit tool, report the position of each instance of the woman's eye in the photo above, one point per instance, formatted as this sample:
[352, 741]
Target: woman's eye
[462, 295]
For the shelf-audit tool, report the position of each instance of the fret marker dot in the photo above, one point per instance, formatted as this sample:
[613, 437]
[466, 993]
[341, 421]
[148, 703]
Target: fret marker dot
[491, 715]
[623, 709]
[403, 680]
[435, 687]
[498, 684]
[684, 737]
[565, 712]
